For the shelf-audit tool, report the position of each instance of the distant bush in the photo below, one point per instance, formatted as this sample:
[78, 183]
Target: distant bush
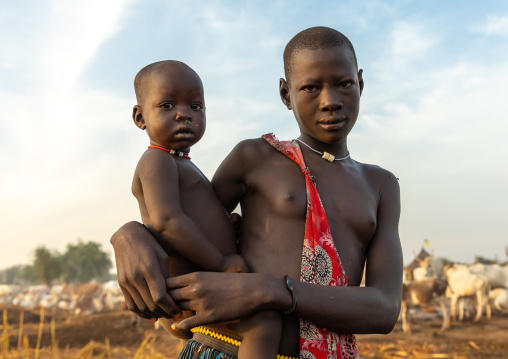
[81, 262]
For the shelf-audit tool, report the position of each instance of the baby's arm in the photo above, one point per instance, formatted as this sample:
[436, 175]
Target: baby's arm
[159, 178]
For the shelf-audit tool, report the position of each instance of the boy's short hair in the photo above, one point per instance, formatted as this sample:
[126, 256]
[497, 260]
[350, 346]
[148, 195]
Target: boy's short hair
[314, 38]
[142, 79]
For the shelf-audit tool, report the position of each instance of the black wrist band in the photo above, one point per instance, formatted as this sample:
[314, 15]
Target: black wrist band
[289, 285]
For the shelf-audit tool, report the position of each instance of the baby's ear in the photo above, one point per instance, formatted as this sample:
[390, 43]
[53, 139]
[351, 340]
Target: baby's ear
[284, 93]
[137, 116]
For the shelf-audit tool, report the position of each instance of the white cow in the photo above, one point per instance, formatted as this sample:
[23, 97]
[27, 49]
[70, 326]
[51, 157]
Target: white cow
[497, 275]
[462, 283]
[423, 293]
[85, 298]
[499, 298]
[112, 296]
[8, 292]
[422, 272]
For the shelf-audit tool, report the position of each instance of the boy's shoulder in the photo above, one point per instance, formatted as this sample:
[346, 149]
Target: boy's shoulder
[252, 146]
[372, 169]
[252, 150]
[376, 175]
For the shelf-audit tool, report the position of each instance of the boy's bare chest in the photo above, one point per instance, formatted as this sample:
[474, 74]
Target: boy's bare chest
[349, 200]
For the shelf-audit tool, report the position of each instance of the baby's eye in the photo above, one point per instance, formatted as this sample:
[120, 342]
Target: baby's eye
[197, 106]
[167, 105]
[309, 88]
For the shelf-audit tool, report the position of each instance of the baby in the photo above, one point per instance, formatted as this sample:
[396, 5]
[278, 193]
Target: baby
[176, 200]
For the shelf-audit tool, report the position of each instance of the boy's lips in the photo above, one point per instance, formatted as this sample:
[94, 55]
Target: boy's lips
[331, 123]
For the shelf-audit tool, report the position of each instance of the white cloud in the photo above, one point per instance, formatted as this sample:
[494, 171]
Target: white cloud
[448, 148]
[70, 151]
[47, 177]
[412, 40]
[494, 25]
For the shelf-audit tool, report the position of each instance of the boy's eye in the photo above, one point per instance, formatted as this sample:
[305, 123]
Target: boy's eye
[166, 105]
[346, 84]
[197, 106]
[309, 88]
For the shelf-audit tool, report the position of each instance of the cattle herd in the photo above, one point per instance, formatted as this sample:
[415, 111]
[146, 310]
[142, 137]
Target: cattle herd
[429, 282]
[473, 289]
[76, 299]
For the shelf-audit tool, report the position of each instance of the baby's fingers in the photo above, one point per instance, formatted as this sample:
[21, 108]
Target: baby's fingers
[189, 323]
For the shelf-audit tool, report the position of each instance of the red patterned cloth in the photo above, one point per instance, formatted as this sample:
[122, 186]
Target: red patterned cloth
[320, 265]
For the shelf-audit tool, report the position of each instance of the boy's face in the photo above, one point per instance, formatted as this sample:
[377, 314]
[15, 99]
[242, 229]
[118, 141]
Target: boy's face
[324, 91]
[173, 110]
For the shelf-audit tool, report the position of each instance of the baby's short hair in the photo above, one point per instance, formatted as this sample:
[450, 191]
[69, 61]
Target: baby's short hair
[142, 79]
[314, 38]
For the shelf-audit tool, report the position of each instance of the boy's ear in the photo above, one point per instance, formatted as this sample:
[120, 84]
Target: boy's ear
[360, 80]
[137, 116]
[284, 93]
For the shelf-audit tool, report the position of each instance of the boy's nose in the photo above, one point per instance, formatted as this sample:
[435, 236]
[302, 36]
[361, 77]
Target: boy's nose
[330, 100]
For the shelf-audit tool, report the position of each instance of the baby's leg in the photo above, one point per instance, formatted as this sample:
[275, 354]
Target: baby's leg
[261, 335]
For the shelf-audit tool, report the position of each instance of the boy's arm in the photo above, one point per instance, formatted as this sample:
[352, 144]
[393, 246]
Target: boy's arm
[375, 307]
[143, 268]
[370, 309]
[229, 179]
[158, 174]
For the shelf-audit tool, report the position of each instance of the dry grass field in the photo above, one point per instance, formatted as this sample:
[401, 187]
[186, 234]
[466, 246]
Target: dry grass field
[113, 335]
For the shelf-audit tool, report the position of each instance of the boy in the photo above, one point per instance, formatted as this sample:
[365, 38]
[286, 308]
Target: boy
[284, 231]
[176, 200]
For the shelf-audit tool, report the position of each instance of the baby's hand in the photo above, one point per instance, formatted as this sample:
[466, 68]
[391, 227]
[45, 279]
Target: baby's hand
[234, 264]
[236, 220]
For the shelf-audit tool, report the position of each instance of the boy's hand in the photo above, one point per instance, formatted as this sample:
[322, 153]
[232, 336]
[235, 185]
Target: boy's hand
[234, 264]
[222, 297]
[142, 267]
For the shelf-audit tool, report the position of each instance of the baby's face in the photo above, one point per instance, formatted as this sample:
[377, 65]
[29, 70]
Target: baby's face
[174, 109]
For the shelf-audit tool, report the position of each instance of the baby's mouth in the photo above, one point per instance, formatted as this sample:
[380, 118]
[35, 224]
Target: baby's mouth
[184, 132]
[184, 129]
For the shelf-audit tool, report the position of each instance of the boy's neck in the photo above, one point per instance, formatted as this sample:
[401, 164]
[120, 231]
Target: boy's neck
[338, 149]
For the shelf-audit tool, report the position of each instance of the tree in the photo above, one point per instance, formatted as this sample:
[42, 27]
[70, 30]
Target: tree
[47, 264]
[19, 274]
[12, 275]
[85, 261]
[29, 275]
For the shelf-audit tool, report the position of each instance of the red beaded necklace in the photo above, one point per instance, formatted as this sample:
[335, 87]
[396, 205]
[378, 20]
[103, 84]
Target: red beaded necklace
[172, 151]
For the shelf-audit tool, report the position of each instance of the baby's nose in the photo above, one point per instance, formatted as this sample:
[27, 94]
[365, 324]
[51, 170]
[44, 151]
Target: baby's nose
[183, 116]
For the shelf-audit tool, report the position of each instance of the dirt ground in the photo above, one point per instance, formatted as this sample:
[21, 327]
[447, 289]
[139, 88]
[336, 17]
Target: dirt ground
[484, 339]
[488, 338]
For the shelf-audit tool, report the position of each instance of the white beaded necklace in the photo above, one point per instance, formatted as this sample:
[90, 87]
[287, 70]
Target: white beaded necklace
[326, 156]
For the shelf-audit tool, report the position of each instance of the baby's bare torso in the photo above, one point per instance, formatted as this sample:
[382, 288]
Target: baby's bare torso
[199, 202]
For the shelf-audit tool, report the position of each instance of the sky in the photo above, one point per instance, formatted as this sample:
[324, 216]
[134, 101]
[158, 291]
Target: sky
[433, 110]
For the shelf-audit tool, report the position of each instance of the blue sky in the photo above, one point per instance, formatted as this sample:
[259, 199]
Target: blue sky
[433, 110]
